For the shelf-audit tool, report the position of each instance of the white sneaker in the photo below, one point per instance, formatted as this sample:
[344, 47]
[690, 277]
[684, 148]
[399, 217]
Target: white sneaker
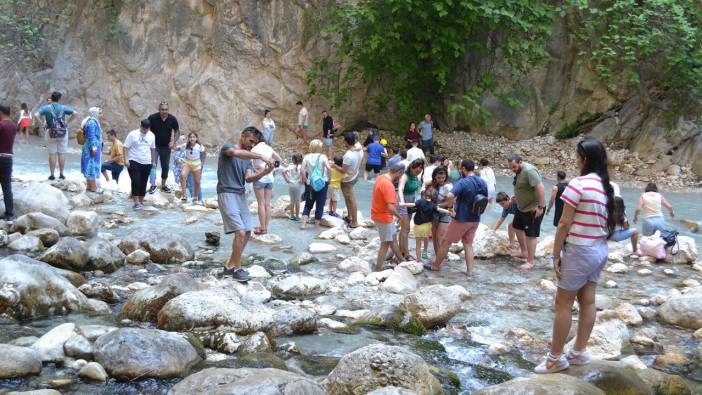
[552, 364]
[578, 358]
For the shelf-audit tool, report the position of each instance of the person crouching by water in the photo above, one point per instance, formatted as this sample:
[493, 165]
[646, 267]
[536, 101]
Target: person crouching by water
[234, 170]
[140, 158]
[384, 211]
[90, 162]
[116, 163]
[580, 253]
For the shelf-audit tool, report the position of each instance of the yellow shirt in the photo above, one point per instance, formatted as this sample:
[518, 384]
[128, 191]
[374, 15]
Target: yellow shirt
[336, 177]
[116, 150]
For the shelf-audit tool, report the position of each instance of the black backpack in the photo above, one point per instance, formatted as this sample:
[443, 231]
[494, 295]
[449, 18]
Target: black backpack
[671, 239]
[480, 200]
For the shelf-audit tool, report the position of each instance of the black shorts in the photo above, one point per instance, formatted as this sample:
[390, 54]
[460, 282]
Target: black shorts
[528, 222]
[374, 168]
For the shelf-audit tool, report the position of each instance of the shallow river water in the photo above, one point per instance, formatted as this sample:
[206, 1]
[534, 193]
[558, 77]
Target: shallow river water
[503, 297]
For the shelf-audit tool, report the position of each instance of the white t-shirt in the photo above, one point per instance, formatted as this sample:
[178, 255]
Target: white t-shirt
[192, 153]
[259, 165]
[615, 187]
[488, 176]
[302, 117]
[139, 146]
[426, 176]
[310, 161]
[25, 115]
[587, 195]
[415, 153]
[352, 159]
[269, 124]
[293, 172]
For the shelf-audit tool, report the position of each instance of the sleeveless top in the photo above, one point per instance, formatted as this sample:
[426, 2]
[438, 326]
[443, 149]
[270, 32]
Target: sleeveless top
[652, 204]
[561, 186]
[412, 185]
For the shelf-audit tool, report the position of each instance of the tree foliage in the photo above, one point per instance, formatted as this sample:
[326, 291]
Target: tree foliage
[656, 45]
[408, 50]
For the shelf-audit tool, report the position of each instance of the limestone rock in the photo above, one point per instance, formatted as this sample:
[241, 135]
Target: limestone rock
[362, 233]
[628, 313]
[303, 258]
[343, 239]
[267, 238]
[607, 339]
[256, 271]
[93, 371]
[130, 353]
[138, 257]
[332, 222]
[49, 347]
[617, 268]
[69, 253]
[400, 281]
[145, 304]
[685, 251]
[547, 285]
[82, 223]
[436, 304]
[330, 234]
[38, 220]
[684, 310]
[413, 266]
[379, 365]
[663, 383]
[162, 245]
[18, 362]
[104, 255]
[543, 384]
[26, 243]
[299, 285]
[289, 319]
[489, 243]
[48, 237]
[321, 248]
[246, 381]
[610, 377]
[354, 264]
[78, 346]
[100, 291]
[212, 308]
[392, 391]
[40, 197]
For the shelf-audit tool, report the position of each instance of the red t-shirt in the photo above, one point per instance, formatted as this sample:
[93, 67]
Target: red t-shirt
[8, 130]
[383, 193]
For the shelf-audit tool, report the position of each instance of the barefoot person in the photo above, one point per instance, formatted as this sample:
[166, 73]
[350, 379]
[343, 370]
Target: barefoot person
[8, 131]
[555, 199]
[622, 230]
[165, 127]
[530, 194]
[580, 251]
[441, 185]
[234, 170]
[465, 223]
[652, 204]
[140, 158]
[426, 209]
[56, 131]
[509, 206]
[303, 122]
[384, 211]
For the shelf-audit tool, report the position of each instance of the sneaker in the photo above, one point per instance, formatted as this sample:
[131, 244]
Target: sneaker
[51, 178]
[238, 274]
[10, 220]
[152, 189]
[424, 255]
[166, 189]
[137, 206]
[62, 177]
[552, 364]
[578, 358]
[183, 199]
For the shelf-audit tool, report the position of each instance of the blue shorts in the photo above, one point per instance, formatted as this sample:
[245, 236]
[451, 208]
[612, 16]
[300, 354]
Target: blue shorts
[302, 126]
[262, 185]
[651, 225]
[622, 234]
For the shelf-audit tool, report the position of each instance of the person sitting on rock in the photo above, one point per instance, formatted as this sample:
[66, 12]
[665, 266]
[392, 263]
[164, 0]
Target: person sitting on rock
[623, 231]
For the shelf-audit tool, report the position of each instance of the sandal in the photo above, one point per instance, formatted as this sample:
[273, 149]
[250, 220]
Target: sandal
[260, 231]
[430, 268]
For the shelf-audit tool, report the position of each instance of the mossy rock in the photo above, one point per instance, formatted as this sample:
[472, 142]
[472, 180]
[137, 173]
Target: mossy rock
[261, 360]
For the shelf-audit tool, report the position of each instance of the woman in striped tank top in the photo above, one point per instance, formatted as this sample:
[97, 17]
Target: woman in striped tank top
[580, 253]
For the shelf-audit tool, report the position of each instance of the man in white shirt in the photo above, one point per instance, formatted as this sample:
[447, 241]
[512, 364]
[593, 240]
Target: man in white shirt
[302, 122]
[426, 175]
[415, 152]
[351, 166]
[140, 158]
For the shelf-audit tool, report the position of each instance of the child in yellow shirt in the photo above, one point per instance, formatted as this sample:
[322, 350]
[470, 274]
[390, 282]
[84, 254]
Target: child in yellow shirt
[335, 186]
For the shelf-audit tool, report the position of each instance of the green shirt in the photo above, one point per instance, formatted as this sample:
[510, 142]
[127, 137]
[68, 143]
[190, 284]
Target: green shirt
[525, 188]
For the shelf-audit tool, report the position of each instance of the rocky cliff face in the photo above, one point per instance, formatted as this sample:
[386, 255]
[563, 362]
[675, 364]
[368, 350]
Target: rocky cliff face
[221, 63]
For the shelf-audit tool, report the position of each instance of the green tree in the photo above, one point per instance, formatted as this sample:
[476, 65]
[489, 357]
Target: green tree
[652, 45]
[409, 50]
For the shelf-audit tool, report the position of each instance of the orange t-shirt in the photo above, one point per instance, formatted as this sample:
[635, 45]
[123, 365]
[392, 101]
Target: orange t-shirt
[383, 193]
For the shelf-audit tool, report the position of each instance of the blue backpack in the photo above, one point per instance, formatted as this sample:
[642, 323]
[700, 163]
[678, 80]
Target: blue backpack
[317, 181]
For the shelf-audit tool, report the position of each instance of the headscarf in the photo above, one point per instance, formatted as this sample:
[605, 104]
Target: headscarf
[94, 113]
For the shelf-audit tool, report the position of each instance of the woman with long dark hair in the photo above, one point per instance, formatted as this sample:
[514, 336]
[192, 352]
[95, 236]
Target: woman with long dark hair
[580, 253]
[442, 185]
[408, 187]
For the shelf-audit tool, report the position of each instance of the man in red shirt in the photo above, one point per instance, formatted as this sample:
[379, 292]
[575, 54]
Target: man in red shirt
[7, 139]
[384, 211]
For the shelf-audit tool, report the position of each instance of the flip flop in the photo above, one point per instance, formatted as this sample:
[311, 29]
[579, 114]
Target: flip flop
[430, 268]
[260, 231]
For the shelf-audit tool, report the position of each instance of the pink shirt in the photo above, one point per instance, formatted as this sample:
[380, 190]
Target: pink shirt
[587, 195]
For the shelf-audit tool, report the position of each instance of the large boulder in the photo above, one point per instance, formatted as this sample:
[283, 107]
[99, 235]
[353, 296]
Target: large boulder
[26, 243]
[299, 285]
[543, 384]
[400, 281]
[130, 353]
[82, 223]
[144, 305]
[69, 253]
[379, 365]
[436, 304]
[212, 308]
[684, 310]
[685, 251]
[607, 339]
[40, 197]
[104, 255]
[489, 243]
[267, 381]
[32, 221]
[611, 377]
[162, 245]
[18, 361]
[30, 288]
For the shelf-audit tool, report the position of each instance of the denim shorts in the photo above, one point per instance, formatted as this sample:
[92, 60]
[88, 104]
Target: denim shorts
[651, 225]
[386, 231]
[262, 185]
[582, 264]
[327, 142]
[622, 234]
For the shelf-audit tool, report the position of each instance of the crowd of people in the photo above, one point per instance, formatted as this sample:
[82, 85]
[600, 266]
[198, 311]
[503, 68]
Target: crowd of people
[430, 196]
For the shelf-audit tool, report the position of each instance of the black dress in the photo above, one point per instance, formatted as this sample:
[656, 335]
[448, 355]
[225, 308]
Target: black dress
[559, 203]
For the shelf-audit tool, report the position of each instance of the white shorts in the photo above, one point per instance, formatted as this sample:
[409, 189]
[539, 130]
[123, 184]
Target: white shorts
[57, 146]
